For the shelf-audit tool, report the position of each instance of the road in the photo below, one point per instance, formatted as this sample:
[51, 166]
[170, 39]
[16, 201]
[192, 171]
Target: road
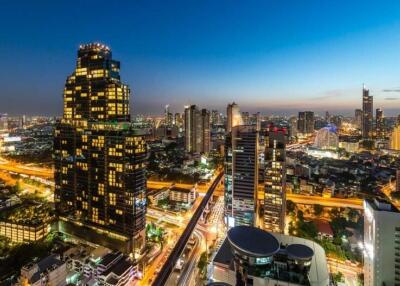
[169, 265]
[327, 202]
[20, 168]
[387, 190]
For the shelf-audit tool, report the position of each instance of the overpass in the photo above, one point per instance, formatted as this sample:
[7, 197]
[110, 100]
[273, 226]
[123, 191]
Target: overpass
[170, 263]
[326, 202]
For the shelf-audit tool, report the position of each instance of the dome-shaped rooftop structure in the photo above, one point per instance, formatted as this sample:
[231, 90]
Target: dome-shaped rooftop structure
[327, 138]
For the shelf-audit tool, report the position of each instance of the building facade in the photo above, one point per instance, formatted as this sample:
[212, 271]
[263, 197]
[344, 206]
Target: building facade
[99, 157]
[358, 117]
[381, 243]
[379, 124]
[305, 122]
[250, 256]
[244, 174]
[233, 116]
[197, 130]
[367, 108]
[275, 180]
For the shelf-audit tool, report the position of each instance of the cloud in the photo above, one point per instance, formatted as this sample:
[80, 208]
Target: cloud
[329, 94]
[391, 98]
[391, 90]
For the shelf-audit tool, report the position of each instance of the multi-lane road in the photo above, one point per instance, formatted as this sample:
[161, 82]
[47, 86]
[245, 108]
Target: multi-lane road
[172, 259]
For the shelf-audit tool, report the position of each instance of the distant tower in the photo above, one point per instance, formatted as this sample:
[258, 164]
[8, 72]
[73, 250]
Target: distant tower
[358, 118]
[367, 114]
[305, 122]
[233, 115]
[379, 124]
[197, 130]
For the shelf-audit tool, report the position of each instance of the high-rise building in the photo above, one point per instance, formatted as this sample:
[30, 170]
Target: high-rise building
[168, 118]
[358, 117]
[246, 118]
[381, 243]
[216, 118]
[206, 131]
[305, 122]
[327, 117]
[99, 157]
[3, 122]
[228, 175]
[257, 120]
[178, 120]
[197, 130]
[233, 116]
[367, 108]
[395, 138]
[379, 124]
[244, 174]
[275, 180]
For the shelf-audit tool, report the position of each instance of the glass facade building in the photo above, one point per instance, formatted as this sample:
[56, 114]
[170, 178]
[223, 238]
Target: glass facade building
[99, 157]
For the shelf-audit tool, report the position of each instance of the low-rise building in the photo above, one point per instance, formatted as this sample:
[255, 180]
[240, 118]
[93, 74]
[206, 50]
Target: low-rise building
[50, 271]
[154, 196]
[324, 229]
[182, 196]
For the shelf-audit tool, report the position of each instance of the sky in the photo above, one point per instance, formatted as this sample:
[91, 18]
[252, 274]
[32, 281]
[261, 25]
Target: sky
[269, 56]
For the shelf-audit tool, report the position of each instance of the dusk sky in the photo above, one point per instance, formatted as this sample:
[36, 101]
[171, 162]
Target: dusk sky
[268, 56]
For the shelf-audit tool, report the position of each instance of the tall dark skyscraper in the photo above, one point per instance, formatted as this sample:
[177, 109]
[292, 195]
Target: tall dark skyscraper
[197, 130]
[244, 174]
[367, 108]
[99, 157]
[379, 124]
[305, 122]
[358, 117]
[275, 180]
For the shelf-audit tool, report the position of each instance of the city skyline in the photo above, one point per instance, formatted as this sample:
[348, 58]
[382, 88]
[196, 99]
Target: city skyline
[181, 53]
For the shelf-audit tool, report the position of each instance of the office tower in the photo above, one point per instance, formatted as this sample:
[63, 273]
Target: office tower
[233, 116]
[305, 122]
[275, 180]
[358, 116]
[293, 126]
[257, 119]
[99, 157]
[246, 118]
[178, 120]
[381, 243]
[327, 117]
[197, 130]
[367, 107]
[379, 124]
[244, 174]
[3, 122]
[216, 118]
[228, 215]
[168, 118]
[206, 131]
[395, 138]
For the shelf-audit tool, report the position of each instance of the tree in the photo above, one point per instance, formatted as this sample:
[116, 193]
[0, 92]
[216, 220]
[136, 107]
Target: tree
[290, 206]
[338, 277]
[300, 215]
[202, 264]
[318, 209]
